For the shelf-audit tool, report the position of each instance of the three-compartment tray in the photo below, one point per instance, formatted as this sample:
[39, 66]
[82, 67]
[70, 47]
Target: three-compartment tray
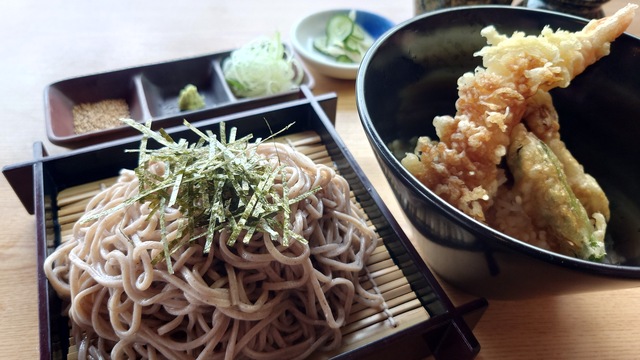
[151, 93]
[428, 323]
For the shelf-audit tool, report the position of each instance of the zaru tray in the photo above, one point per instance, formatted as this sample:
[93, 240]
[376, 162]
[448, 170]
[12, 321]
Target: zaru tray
[429, 325]
[151, 92]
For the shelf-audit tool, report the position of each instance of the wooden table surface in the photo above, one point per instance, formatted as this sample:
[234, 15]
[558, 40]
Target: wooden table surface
[45, 41]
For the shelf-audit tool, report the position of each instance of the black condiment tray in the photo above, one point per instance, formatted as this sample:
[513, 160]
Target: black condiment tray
[151, 92]
[446, 334]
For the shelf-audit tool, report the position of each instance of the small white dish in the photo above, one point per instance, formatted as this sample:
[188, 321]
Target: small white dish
[313, 26]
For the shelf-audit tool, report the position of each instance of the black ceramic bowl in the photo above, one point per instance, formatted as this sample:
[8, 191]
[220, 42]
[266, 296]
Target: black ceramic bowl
[409, 76]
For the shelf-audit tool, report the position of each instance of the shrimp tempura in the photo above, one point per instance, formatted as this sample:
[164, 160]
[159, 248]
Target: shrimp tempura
[462, 167]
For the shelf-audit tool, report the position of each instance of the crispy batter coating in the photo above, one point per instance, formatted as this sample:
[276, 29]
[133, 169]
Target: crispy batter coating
[541, 119]
[463, 166]
[542, 187]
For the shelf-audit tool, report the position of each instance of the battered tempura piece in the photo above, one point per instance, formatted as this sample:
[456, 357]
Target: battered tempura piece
[547, 198]
[462, 167]
[541, 119]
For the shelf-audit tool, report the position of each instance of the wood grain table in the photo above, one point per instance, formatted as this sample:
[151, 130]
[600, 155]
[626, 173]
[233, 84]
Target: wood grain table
[45, 41]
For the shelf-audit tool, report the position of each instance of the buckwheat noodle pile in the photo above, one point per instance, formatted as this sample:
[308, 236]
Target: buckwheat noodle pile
[256, 299]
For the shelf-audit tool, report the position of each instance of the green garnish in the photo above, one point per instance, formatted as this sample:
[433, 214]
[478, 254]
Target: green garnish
[217, 184]
[262, 67]
[190, 99]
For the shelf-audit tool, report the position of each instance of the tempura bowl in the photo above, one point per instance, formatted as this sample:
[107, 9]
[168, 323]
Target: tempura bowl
[409, 76]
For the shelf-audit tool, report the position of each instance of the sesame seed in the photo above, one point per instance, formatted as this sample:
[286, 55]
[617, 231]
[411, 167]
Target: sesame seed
[99, 115]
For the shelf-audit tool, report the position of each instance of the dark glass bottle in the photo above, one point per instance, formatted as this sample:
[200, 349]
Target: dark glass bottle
[590, 9]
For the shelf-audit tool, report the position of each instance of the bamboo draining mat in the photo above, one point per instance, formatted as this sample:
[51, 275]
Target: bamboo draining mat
[402, 307]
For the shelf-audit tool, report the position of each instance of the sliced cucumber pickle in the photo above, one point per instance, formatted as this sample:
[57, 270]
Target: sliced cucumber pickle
[339, 28]
[344, 39]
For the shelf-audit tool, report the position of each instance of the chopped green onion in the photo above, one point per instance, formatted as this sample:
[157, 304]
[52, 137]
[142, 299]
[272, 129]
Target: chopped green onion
[262, 67]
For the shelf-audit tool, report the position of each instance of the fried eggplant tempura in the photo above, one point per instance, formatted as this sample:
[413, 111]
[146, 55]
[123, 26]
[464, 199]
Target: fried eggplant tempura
[463, 166]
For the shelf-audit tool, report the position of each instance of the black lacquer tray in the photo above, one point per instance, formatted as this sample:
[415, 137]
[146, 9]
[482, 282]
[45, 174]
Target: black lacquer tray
[444, 333]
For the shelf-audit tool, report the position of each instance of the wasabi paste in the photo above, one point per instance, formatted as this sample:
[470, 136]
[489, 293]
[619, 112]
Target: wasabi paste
[190, 99]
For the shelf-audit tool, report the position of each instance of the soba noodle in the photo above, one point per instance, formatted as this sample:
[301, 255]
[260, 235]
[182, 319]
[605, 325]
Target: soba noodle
[256, 299]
